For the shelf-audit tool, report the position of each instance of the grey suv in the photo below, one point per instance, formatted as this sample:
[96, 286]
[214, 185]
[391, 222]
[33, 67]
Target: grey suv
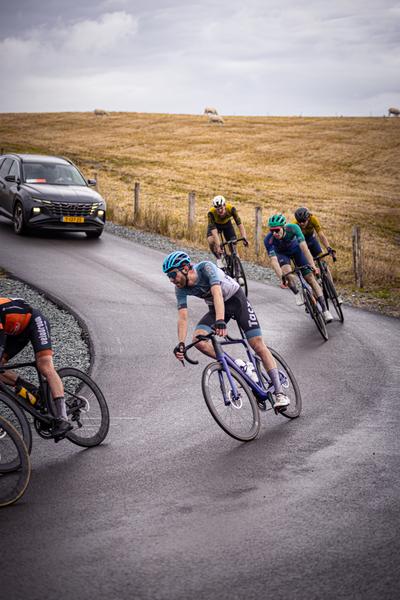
[48, 192]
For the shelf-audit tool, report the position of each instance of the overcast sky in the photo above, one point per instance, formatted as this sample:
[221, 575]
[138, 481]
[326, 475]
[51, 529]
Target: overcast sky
[256, 57]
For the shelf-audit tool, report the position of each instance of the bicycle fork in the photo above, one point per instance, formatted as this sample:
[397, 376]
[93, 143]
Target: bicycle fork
[227, 397]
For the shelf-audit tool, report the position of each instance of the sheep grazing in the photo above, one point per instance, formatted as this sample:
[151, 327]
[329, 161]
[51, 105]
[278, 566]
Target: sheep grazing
[394, 111]
[216, 119]
[99, 112]
[210, 111]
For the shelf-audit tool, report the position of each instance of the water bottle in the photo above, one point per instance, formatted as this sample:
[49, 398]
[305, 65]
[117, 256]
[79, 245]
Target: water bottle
[251, 371]
[21, 391]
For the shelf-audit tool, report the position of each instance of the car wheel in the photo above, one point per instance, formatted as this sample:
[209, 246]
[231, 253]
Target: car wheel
[19, 224]
[94, 234]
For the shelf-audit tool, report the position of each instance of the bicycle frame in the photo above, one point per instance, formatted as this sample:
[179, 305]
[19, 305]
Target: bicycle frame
[22, 402]
[261, 392]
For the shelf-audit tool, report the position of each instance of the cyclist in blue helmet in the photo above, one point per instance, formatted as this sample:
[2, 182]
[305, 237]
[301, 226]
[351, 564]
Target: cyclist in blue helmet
[225, 299]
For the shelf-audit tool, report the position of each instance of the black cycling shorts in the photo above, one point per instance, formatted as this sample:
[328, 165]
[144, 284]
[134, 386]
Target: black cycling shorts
[238, 308]
[37, 332]
[227, 229]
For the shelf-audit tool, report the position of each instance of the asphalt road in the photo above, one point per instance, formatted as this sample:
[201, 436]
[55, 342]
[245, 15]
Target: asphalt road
[170, 507]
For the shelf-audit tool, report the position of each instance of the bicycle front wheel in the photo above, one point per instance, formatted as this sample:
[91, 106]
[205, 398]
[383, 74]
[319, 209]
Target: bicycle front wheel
[237, 415]
[333, 295]
[86, 408]
[12, 450]
[315, 313]
[288, 382]
[10, 411]
[238, 274]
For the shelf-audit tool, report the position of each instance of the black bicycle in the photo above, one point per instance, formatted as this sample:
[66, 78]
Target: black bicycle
[233, 266]
[330, 293]
[12, 451]
[86, 407]
[310, 302]
[235, 391]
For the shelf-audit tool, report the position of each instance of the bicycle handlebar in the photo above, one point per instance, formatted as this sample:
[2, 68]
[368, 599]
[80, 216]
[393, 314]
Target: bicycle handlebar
[326, 254]
[297, 270]
[235, 241]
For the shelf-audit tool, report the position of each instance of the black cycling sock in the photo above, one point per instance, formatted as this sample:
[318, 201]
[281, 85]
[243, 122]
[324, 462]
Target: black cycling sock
[294, 289]
[322, 302]
[61, 411]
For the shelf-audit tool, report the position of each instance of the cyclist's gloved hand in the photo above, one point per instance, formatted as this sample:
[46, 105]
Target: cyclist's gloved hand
[246, 243]
[284, 282]
[179, 349]
[331, 251]
[219, 325]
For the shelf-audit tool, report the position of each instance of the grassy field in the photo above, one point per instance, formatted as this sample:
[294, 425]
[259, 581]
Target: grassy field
[345, 170]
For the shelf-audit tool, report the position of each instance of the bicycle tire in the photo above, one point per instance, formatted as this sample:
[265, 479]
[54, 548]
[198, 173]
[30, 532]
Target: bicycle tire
[324, 288]
[239, 420]
[289, 384]
[10, 411]
[12, 449]
[315, 313]
[87, 408]
[333, 295]
[238, 272]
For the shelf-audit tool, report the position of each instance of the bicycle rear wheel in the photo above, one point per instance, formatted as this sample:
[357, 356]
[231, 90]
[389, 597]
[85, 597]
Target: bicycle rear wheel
[288, 382]
[315, 313]
[10, 411]
[86, 408]
[333, 295]
[238, 273]
[12, 450]
[238, 417]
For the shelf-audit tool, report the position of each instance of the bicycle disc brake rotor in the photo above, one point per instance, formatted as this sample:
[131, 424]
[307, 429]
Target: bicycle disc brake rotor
[284, 381]
[235, 402]
[2, 434]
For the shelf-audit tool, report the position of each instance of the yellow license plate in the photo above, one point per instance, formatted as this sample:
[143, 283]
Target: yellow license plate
[72, 219]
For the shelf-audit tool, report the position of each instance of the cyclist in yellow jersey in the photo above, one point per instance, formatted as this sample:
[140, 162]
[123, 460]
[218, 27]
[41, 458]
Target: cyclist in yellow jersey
[219, 219]
[309, 224]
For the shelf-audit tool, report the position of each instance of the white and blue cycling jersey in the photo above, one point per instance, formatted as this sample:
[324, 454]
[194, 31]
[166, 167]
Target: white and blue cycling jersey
[208, 275]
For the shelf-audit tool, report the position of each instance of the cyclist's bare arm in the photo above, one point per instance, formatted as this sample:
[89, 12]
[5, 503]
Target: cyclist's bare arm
[308, 255]
[242, 232]
[323, 239]
[278, 271]
[182, 329]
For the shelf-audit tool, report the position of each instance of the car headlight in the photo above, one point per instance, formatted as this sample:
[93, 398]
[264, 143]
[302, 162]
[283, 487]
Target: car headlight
[36, 199]
[36, 209]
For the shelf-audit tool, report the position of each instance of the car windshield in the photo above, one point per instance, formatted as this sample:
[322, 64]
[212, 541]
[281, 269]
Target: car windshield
[52, 173]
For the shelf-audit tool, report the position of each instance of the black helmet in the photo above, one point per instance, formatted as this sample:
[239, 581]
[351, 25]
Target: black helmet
[302, 213]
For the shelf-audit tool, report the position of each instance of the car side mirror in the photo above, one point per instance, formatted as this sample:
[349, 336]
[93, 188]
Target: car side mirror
[10, 178]
[91, 181]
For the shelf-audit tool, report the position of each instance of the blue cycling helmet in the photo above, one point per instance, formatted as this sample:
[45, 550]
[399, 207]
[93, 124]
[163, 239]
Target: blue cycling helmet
[175, 260]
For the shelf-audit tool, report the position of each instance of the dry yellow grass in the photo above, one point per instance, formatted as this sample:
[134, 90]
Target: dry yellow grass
[346, 170]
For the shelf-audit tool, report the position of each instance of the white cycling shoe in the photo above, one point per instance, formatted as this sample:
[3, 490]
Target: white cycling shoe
[299, 299]
[327, 316]
[281, 400]
[220, 263]
[241, 281]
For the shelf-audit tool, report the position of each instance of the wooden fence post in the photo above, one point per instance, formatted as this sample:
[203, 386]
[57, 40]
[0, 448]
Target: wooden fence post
[357, 259]
[137, 202]
[191, 218]
[2, 150]
[258, 232]
[96, 187]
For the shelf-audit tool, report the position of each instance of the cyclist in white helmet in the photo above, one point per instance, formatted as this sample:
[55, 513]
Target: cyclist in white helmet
[219, 219]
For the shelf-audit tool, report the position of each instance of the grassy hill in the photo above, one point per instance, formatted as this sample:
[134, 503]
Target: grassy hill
[345, 170]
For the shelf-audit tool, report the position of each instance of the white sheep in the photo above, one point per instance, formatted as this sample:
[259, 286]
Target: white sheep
[210, 111]
[394, 111]
[99, 112]
[216, 119]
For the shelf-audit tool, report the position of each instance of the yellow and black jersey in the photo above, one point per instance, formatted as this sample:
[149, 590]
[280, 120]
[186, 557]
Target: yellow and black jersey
[214, 219]
[312, 224]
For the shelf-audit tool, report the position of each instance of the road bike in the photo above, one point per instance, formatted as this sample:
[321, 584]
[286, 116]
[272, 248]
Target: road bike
[235, 394]
[233, 266]
[86, 407]
[330, 293]
[12, 450]
[311, 305]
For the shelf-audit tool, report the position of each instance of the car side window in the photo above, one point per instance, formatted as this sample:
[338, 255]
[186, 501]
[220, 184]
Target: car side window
[14, 170]
[5, 166]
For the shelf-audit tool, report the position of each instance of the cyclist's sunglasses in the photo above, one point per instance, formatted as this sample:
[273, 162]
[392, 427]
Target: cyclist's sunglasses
[172, 274]
[301, 220]
[276, 229]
